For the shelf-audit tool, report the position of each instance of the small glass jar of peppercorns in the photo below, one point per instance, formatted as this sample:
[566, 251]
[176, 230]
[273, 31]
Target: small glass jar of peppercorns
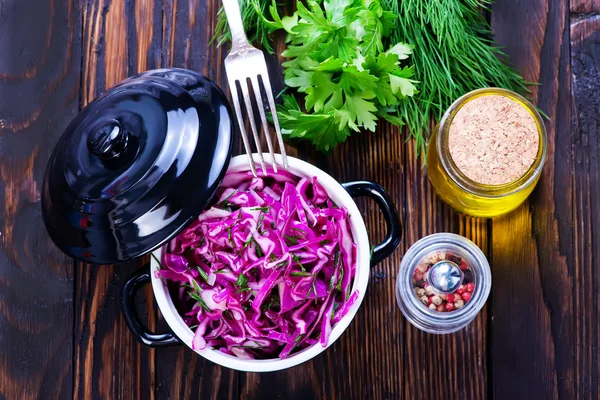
[443, 282]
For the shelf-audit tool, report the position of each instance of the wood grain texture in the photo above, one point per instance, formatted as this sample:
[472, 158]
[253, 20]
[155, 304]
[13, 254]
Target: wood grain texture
[585, 61]
[61, 330]
[439, 366]
[186, 30]
[535, 303]
[118, 41]
[109, 363]
[122, 38]
[585, 6]
[39, 87]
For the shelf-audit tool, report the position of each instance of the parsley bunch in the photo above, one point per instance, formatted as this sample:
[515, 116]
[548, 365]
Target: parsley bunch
[338, 61]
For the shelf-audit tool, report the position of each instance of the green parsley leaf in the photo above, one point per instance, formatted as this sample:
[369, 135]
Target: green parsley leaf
[260, 222]
[242, 281]
[197, 287]
[248, 241]
[402, 50]
[195, 294]
[338, 287]
[321, 90]
[291, 239]
[402, 86]
[202, 273]
[225, 203]
[363, 110]
[392, 119]
[229, 237]
[246, 289]
[300, 273]
[297, 260]
[259, 251]
[323, 130]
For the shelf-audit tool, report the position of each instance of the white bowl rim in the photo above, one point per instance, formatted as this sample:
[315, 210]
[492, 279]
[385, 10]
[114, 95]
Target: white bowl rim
[359, 232]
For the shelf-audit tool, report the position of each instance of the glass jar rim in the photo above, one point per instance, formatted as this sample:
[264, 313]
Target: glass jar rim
[435, 321]
[469, 185]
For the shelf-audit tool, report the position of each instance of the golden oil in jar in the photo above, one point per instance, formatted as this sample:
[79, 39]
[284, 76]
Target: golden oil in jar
[486, 155]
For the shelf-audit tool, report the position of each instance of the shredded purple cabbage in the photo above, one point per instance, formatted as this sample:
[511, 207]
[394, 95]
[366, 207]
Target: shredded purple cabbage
[267, 270]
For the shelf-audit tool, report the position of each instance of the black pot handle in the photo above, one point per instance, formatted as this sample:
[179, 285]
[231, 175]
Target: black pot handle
[141, 333]
[382, 198]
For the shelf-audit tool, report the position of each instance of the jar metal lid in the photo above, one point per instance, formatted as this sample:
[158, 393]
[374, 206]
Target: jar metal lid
[137, 165]
[445, 277]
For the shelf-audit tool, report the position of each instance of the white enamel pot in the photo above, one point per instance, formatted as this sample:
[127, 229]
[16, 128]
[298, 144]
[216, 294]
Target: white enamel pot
[342, 194]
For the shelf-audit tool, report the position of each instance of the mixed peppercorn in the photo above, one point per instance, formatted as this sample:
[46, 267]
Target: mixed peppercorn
[437, 301]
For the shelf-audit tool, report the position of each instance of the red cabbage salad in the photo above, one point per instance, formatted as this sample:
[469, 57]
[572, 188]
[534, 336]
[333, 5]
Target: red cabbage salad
[267, 271]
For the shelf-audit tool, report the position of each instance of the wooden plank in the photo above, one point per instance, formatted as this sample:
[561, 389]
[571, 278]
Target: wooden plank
[109, 362]
[39, 89]
[186, 31]
[437, 366]
[533, 309]
[120, 38]
[585, 61]
[585, 6]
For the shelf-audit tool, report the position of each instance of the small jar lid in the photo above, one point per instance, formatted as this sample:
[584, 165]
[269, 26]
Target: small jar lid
[137, 165]
[443, 282]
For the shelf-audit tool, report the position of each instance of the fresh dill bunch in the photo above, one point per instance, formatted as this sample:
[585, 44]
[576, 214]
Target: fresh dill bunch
[453, 54]
[256, 29]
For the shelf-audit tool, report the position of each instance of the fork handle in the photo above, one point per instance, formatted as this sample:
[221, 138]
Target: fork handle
[236, 26]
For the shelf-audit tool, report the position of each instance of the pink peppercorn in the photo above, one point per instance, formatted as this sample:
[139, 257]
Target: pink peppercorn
[418, 276]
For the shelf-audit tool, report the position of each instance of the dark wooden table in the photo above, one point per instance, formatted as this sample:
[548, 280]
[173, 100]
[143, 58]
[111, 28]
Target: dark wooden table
[61, 330]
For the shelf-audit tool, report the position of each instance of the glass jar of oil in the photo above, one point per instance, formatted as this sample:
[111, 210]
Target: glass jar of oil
[466, 194]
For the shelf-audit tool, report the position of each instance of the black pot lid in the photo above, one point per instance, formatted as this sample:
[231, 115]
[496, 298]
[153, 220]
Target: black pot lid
[137, 165]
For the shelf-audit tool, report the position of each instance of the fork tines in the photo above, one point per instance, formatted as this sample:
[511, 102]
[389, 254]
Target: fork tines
[242, 84]
[244, 63]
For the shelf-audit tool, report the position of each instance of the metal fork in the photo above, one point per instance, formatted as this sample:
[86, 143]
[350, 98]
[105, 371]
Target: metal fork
[244, 62]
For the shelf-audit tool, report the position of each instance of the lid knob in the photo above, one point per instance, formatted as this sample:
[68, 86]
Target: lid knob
[445, 277]
[108, 141]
